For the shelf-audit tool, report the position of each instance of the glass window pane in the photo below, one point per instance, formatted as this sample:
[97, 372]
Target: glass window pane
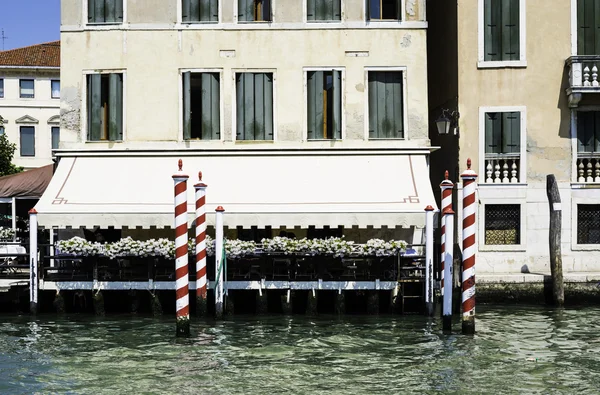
[55, 89]
[27, 141]
[1, 87]
[588, 224]
[1, 130]
[55, 136]
[27, 88]
[502, 224]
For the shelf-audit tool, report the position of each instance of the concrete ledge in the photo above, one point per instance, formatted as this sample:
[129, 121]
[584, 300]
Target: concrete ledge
[519, 278]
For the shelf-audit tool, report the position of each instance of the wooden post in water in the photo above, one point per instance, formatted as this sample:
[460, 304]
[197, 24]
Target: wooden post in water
[446, 187]
[219, 253]
[200, 188]
[558, 291]
[429, 211]
[33, 262]
[182, 293]
[448, 266]
[468, 255]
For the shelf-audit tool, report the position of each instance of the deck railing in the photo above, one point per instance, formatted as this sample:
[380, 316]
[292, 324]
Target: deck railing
[502, 168]
[588, 167]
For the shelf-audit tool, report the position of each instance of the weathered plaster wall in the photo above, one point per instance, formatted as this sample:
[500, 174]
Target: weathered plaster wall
[151, 11]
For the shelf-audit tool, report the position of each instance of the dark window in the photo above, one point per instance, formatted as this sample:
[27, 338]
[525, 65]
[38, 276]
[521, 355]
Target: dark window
[254, 10]
[588, 27]
[588, 224]
[1, 130]
[384, 9]
[27, 140]
[105, 11]
[27, 89]
[254, 106]
[254, 233]
[201, 106]
[501, 30]
[105, 107]
[386, 117]
[588, 131]
[55, 89]
[55, 137]
[199, 11]
[323, 10]
[1, 88]
[502, 133]
[502, 224]
[324, 104]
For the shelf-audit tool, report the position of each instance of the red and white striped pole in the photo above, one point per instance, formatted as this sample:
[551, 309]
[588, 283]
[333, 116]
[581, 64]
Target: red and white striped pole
[200, 188]
[468, 274]
[182, 296]
[446, 187]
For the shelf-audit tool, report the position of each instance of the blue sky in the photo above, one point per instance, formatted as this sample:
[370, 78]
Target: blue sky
[28, 22]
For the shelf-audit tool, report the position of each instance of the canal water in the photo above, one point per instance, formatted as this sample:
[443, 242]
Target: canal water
[516, 350]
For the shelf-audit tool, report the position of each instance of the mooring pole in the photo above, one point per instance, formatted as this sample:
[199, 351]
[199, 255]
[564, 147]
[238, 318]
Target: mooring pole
[446, 188]
[200, 188]
[558, 291]
[448, 259]
[182, 293]
[468, 234]
[429, 211]
[219, 252]
[33, 262]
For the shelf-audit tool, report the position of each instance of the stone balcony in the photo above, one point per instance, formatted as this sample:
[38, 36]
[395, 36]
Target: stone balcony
[502, 168]
[583, 77]
[588, 167]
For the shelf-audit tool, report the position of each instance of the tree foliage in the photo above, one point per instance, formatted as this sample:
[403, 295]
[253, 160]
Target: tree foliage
[7, 153]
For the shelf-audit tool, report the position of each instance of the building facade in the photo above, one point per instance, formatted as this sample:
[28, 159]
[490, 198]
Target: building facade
[523, 78]
[300, 114]
[30, 102]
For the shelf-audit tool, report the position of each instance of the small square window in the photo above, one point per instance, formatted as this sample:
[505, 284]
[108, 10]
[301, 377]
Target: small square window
[27, 89]
[588, 224]
[55, 89]
[502, 224]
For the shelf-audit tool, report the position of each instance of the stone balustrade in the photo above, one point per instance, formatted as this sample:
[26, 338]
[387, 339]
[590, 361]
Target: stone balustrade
[502, 168]
[588, 167]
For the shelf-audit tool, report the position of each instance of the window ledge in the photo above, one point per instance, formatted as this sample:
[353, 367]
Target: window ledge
[511, 247]
[585, 185]
[386, 138]
[585, 247]
[254, 141]
[501, 185]
[502, 64]
[103, 141]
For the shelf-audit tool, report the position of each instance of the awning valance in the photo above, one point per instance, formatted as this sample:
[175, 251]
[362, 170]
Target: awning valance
[279, 190]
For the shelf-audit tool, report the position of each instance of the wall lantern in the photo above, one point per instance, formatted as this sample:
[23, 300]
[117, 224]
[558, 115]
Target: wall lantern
[448, 120]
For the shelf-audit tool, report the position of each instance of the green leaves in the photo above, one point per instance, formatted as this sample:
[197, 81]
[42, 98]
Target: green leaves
[7, 153]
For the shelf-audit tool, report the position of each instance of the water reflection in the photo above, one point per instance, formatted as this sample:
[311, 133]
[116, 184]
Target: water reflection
[515, 350]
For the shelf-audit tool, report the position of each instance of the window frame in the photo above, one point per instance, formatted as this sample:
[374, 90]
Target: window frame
[235, 14]
[20, 88]
[234, 73]
[102, 25]
[208, 25]
[305, 14]
[84, 115]
[574, 143]
[21, 141]
[2, 91]
[52, 81]
[342, 70]
[375, 22]
[402, 69]
[522, 62]
[221, 104]
[523, 141]
[582, 197]
[489, 196]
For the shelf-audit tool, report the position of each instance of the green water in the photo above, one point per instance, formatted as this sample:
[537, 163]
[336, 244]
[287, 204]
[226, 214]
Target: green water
[515, 351]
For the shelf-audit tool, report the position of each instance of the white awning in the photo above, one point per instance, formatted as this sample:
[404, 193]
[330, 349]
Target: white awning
[256, 189]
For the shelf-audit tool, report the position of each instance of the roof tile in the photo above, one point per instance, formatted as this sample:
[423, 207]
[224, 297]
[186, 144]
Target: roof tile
[39, 55]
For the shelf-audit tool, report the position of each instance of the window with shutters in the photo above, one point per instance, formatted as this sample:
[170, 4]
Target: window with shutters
[199, 11]
[502, 33]
[254, 106]
[254, 11]
[323, 10]
[502, 224]
[390, 10]
[27, 140]
[502, 141]
[386, 104]
[55, 132]
[105, 107]
[324, 100]
[26, 89]
[105, 11]
[588, 27]
[201, 106]
[588, 146]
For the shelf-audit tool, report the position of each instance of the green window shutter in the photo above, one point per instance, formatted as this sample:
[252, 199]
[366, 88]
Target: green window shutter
[385, 105]
[210, 106]
[99, 11]
[493, 32]
[323, 10]
[249, 100]
[511, 132]
[94, 106]
[195, 13]
[596, 28]
[399, 9]
[373, 130]
[315, 103]
[587, 26]
[115, 107]
[27, 140]
[245, 11]
[337, 10]
[368, 9]
[91, 11]
[240, 100]
[214, 10]
[186, 10]
[259, 106]
[588, 129]
[268, 103]
[311, 10]
[337, 104]
[493, 135]
[395, 104]
[187, 103]
[510, 30]
[311, 89]
[266, 10]
[119, 11]
[110, 8]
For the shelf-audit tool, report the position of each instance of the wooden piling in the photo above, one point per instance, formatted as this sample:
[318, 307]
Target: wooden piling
[286, 302]
[311, 305]
[340, 303]
[59, 303]
[98, 300]
[262, 306]
[155, 305]
[558, 291]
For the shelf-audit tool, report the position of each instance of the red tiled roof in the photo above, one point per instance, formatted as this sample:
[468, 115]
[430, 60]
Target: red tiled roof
[39, 55]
